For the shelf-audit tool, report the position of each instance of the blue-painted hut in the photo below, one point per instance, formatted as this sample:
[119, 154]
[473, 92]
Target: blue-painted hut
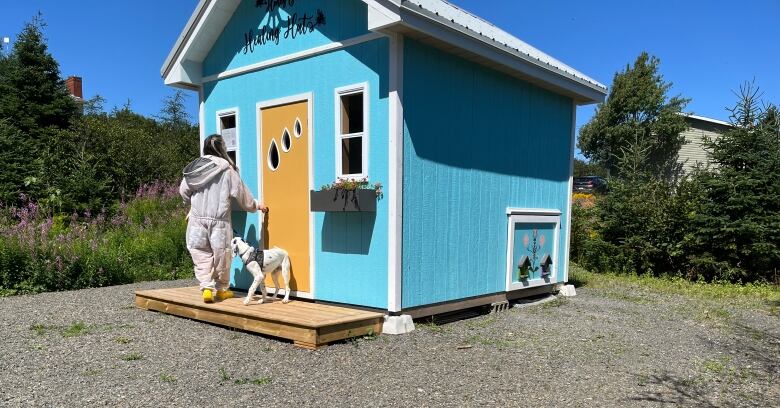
[470, 131]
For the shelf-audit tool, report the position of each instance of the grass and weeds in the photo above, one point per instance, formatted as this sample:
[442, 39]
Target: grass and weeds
[76, 329]
[123, 340]
[139, 240]
[430, 324]
[754, 296]
[224, 377]
[167, 378]
[132, 357]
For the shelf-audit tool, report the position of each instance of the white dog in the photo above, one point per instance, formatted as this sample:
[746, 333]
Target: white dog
[258, 263]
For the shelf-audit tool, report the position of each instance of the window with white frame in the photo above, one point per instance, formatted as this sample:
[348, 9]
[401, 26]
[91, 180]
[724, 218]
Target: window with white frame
[352, 132]
[227, 121]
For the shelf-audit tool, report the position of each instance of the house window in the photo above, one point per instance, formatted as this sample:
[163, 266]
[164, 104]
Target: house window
[227, 122]
[352, 135]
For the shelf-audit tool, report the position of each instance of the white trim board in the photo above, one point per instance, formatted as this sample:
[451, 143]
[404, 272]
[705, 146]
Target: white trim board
[531, 216]
[226, 112]
[309, 99]
[285, 59]
[568, 194]
[395, 179]
[347, 90]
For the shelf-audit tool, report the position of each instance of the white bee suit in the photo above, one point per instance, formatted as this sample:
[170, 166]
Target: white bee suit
[211, 186]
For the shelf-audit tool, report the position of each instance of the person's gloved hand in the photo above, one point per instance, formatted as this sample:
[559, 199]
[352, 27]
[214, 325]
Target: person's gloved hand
[260, 207]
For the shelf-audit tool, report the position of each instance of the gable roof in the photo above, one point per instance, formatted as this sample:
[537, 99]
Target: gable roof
[434, 21]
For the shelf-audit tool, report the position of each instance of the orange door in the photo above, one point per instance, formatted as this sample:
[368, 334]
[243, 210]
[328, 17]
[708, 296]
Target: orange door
[284, 153]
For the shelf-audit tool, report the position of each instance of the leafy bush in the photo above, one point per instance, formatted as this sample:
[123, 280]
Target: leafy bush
[140, 240]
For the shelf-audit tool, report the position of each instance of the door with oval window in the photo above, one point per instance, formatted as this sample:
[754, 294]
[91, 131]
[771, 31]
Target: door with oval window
[284, 153]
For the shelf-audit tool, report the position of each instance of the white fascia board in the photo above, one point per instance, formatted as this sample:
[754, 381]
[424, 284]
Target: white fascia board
[383, 13]
[464, 39]
[188, 73]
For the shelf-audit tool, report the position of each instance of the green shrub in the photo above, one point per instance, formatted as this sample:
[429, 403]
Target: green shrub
[142, 240]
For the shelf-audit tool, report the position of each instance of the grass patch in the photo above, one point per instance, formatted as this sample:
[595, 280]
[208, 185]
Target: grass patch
[38, 329]
[255, 381]
[756, 296]
[225, 377]
[76, 329]
[123, 340]
[431, 325]
[167, 378]
[557, 302]
[482, 323]
[132, 357]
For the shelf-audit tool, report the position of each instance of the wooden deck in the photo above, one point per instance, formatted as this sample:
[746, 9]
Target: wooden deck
[308, 325]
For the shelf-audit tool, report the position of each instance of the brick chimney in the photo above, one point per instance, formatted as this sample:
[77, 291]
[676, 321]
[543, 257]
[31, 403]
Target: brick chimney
[74, 86]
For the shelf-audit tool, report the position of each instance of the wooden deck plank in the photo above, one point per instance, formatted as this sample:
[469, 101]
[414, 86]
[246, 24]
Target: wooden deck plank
[309, 325]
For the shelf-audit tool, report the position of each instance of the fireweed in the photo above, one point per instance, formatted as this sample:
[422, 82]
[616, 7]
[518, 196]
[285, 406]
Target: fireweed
[141, 238]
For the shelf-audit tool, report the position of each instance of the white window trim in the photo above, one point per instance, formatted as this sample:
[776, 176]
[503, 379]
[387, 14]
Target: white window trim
[339, 92]
[228, 112]
[529, 215]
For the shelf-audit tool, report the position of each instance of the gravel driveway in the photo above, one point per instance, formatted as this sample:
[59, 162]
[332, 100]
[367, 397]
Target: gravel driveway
[601, 348]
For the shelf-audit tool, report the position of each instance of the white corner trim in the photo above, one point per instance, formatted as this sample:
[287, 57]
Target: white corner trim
[201, 117]
[226, 112]
[395, 175]
[285, 59]
[539, 217]
[568, 194]
[309, 99]
[338, 93]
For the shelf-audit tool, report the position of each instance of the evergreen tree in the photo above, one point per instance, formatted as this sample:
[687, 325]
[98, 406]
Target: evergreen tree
[34, 106]
[738, 235]
[637, 107]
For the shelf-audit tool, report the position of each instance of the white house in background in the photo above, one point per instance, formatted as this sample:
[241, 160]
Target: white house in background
[693, 151]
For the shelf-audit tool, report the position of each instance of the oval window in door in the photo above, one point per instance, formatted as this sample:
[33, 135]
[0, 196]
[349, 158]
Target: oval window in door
[273, 156]
[286, 141]
[298, 128]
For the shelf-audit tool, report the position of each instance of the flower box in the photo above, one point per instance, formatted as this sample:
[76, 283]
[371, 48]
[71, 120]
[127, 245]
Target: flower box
[339, 200]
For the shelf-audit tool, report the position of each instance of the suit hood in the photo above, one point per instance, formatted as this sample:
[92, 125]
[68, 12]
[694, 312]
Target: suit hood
[203, 169]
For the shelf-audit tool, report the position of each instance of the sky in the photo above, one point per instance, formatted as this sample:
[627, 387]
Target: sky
[707, 48]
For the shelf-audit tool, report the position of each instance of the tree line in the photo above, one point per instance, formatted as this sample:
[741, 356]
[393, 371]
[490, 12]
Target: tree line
[74, 157]
[717, 222]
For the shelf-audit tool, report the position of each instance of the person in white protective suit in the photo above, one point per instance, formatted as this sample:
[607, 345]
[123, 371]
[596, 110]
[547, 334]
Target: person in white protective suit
[211, 185]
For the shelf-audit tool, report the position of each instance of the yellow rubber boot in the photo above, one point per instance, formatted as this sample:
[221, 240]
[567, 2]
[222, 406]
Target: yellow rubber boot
[208, 296]
[224, 294]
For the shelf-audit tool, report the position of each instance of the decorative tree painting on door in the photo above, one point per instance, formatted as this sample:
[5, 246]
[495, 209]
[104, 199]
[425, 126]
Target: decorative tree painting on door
[533, 251]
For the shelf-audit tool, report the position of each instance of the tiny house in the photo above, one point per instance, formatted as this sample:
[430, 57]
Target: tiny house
[469, 130]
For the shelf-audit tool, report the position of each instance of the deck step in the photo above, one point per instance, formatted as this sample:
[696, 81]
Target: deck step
[309, 325]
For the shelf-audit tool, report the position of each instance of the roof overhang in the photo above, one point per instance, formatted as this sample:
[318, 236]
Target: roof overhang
[433, 22]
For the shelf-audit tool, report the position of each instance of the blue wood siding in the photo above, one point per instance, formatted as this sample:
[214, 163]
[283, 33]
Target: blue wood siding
[476, 141]
[350, 249]
[343, 19]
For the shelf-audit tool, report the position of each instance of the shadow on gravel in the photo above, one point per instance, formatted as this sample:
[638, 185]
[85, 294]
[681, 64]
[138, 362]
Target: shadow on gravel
[675, 390]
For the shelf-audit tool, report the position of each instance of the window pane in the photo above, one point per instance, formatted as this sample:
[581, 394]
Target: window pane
[228, 121]
[352, 155]
[352, 113]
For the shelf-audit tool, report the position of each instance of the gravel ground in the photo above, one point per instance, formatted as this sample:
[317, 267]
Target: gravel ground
[601, 348]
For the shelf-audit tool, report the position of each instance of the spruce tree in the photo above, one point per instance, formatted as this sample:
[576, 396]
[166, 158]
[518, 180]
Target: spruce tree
[738, 236]
[637, 107]
[34, 106]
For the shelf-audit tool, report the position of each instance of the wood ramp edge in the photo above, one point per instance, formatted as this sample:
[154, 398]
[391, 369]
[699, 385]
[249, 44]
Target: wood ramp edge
[308, 325]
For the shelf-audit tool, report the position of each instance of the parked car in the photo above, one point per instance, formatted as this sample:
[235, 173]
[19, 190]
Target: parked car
[589, 184]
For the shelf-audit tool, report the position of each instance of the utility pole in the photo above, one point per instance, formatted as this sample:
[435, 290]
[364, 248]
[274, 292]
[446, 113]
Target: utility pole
[4, 42]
